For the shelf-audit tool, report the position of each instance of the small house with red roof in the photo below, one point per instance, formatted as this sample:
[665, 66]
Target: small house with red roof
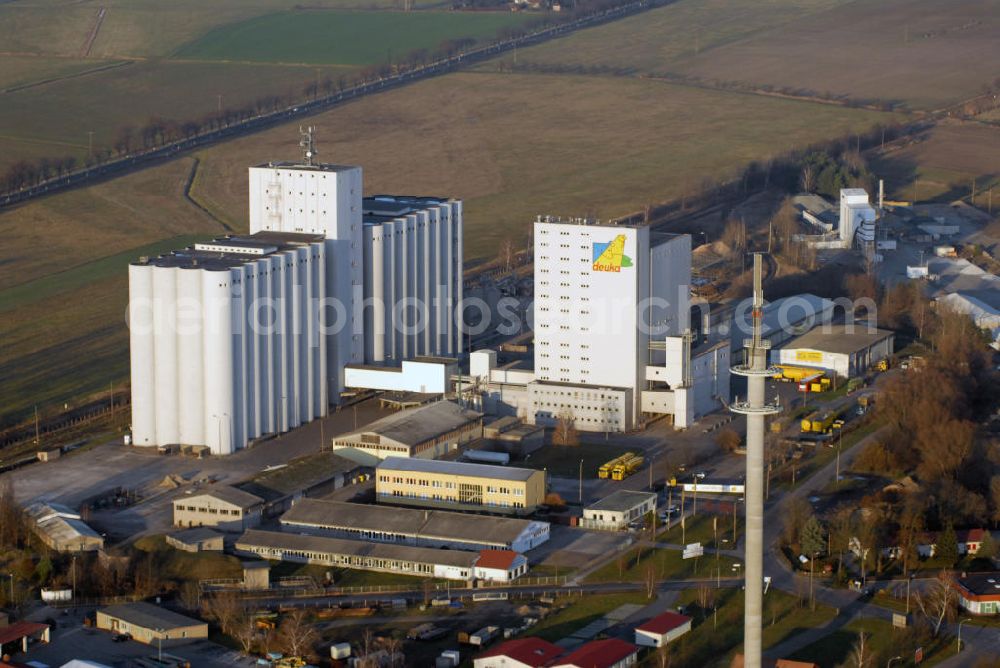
[662, 629]
[609, 653]
[520, 653]
[969, 540]
[500, 565]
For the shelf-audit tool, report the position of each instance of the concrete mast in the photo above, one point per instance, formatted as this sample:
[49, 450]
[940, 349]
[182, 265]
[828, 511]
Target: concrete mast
[756, 369]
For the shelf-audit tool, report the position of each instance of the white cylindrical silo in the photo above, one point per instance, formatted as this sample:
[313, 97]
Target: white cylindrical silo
[238, 421]
[190, 361]
[378, 298]
[322, 379]
[310, 333]
[141, 354]
[458, 261]
[218, 356]
[165, 352]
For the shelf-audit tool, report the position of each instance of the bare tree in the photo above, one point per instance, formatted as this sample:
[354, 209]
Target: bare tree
[223, 607]
[663, 657]
[244, 628]
[506, 254]
[650, 580]
[565, 432]
[860, 653]
[190, 596]
[296, 634]
[937, 602]
[808, 179]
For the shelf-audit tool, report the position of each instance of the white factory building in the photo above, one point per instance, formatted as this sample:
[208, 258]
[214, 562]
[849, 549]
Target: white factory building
[208, 367]
[215, 363]
[413, 277]
[611, 317]
[857, 217]
[321, 199]
[845, 350]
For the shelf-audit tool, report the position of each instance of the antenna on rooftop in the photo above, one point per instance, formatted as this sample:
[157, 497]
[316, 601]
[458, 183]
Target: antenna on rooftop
[307, 142]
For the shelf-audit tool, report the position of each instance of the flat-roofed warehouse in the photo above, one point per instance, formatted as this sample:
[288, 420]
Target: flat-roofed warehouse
[150, 623]
[459, 486]
[361, 555]
[421, 528]
[428, 432]
[847, 350]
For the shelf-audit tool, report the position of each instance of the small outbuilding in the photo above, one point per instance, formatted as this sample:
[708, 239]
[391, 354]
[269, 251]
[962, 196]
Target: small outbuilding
[500, 565]
[226, 508]
[662, 629]
[198, 539]
[519, 653]
[615, 511]
[150, 623]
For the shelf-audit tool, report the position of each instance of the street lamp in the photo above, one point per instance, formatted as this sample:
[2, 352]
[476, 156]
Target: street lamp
[159, 645]
[960, 634]
[581, 482]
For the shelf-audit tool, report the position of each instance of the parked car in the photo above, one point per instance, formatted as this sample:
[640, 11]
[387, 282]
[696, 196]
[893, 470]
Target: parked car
[121, 637]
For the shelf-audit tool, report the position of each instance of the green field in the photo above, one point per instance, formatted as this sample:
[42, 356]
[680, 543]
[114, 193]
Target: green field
[632, 566]
[580, 611]
[342, 38]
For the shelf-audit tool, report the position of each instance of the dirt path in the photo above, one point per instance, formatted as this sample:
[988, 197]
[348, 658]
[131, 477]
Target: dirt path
[89, 44]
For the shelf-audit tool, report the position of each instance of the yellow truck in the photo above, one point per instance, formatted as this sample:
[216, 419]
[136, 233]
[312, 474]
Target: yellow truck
[795, 374]
[627, 467]
[819, 423]
[606, 468]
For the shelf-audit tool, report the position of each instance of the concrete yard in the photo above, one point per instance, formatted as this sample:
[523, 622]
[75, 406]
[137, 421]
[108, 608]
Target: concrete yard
[78, 477]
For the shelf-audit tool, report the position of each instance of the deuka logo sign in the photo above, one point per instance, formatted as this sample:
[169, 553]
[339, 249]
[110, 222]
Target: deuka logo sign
[611, 256]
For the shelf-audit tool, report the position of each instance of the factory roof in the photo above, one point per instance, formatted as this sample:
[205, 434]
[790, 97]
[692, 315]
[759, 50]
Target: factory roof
[195, 535]
[321, 544]
[422, 523]
[149, 616]
[206, 255]
[299, 475]
[839, 338]
[795, 313]
[455, 468]
[317, 167]
[236, 497]
[621, 501]
[381, 208]
[959, 275]
[60, 524]
[423, 423]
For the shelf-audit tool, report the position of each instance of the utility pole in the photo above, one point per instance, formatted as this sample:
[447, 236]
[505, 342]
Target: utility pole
[74, 575]
[219, 109]
[322, 437]
[90, 144]
[581, 482]
[37, 429]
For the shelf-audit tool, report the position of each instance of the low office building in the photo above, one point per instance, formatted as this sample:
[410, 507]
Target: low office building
[979, 593]
[428, 432]
[617, 510]
[846, 350]
[150, 623]
[61, 528]
[500, 565]
[198, 539]
[459, 486]
[662, 629]
[420, 528]
[608, 653]
[361, 555]
[223, 507]
[519, 653]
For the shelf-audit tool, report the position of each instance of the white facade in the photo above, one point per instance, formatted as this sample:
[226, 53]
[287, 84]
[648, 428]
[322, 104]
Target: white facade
[210, 366]
[413, 277]
[593, 408]
[857, 216]
[602, 292]
[423, 375]
[321, 199]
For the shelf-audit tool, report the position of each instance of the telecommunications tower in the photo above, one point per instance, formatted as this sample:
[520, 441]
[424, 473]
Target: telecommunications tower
[756, 369]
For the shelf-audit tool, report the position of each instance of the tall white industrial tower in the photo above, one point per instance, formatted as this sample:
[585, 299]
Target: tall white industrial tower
[756, 370]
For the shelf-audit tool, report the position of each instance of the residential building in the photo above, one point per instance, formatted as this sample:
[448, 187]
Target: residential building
[381, 557]
[62, 529]
[519, 653]
[617, 510]
[662, 629]
[459, 486]
[151, 624]
[429, 432]
[223, 338]
[223, 507]
[198, 539]
[846, 350]
[979, 593]
[608, 653]
[601, 288]
[412, 278]
[420, 528]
